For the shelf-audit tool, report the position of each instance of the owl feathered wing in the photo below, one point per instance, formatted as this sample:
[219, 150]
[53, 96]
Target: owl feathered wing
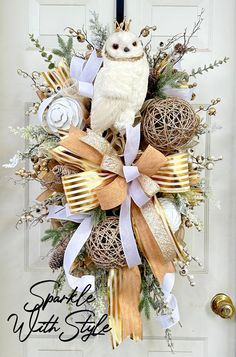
[105, 111]
[110, 97]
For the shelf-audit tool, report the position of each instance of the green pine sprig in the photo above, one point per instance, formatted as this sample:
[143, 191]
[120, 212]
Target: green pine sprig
[48, 57]
[65, 50]
[98, 215]
[170, 76]
[152, 296]
[99, 32]
[59, 282]
[144, 304]
[55, 235]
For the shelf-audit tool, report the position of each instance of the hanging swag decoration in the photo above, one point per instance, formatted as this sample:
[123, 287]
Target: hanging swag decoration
[114, 152]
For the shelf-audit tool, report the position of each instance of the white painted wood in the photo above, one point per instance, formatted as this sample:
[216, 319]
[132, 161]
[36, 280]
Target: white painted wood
[22, 263]
[171, 17]
[215, 246]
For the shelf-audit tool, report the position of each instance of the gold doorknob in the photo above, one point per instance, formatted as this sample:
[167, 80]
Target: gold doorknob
[222, 305]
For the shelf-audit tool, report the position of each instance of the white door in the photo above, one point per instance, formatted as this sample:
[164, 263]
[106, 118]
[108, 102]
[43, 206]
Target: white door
[203, 333]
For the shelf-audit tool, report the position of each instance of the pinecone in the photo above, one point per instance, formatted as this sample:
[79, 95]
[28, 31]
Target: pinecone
[180, 48]
[56, 258]
[61, 170]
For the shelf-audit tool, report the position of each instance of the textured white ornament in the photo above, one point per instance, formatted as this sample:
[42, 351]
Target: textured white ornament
[121, 84]
[63, 113]
[172, 214]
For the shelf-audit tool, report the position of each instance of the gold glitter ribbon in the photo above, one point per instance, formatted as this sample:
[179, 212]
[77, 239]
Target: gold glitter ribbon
[155, 238]
[148, 244]
[123, 296]
[57, 78]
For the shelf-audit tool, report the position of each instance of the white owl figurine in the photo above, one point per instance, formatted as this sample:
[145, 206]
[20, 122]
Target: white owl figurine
[121, 84]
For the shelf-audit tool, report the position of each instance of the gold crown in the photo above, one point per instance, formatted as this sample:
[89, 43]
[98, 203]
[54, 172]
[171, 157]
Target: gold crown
[123, 26]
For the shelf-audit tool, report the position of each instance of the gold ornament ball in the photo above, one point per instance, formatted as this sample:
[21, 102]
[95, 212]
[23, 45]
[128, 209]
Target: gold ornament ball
[104, 245]
[80, 37]
[168, 124]
[36, 167]
[212, 111]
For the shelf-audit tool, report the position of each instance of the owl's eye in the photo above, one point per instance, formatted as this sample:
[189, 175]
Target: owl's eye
[115, 46]
[134, 43]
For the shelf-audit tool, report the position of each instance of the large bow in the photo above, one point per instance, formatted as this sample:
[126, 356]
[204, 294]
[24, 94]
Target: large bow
[104, 180]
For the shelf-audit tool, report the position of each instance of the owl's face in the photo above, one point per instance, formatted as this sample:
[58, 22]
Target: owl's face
[123, 44]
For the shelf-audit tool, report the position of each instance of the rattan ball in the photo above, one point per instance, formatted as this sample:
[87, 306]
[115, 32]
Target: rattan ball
[104, 245]
[168, 124]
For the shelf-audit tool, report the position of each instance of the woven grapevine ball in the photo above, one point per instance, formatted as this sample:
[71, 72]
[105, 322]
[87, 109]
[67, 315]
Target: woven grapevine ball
[104, 245]
[168, 124]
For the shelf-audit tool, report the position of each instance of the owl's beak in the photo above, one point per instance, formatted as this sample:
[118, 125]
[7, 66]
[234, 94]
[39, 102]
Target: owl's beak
[126, 49]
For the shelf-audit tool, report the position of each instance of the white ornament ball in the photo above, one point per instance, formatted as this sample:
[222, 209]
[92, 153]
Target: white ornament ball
[63, 113]
[172, 214]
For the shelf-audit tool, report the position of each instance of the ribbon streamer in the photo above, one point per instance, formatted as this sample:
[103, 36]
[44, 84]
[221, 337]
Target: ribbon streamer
[149, 245]
[123, 297]
[135, 192]
[75, 244]
[85, 72]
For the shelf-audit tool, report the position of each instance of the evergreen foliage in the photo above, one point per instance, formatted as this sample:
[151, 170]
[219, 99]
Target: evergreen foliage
[65, 50]
[55, 235]
[170, 76]
[99, 32]
[152, 294]
[98, 215]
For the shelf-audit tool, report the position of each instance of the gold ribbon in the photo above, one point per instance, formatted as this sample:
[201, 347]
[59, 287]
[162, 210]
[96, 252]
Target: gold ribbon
[173, 176]
[123, 294]
[80, 190]
[57, 78]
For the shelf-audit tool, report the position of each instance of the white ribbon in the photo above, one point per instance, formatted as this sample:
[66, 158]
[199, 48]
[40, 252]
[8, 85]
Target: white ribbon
[169, 320]
[75, 244]
[135, 191]
[84, 72]
[183, 93]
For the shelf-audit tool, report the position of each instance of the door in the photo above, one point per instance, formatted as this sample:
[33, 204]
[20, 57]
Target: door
[23, 259]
